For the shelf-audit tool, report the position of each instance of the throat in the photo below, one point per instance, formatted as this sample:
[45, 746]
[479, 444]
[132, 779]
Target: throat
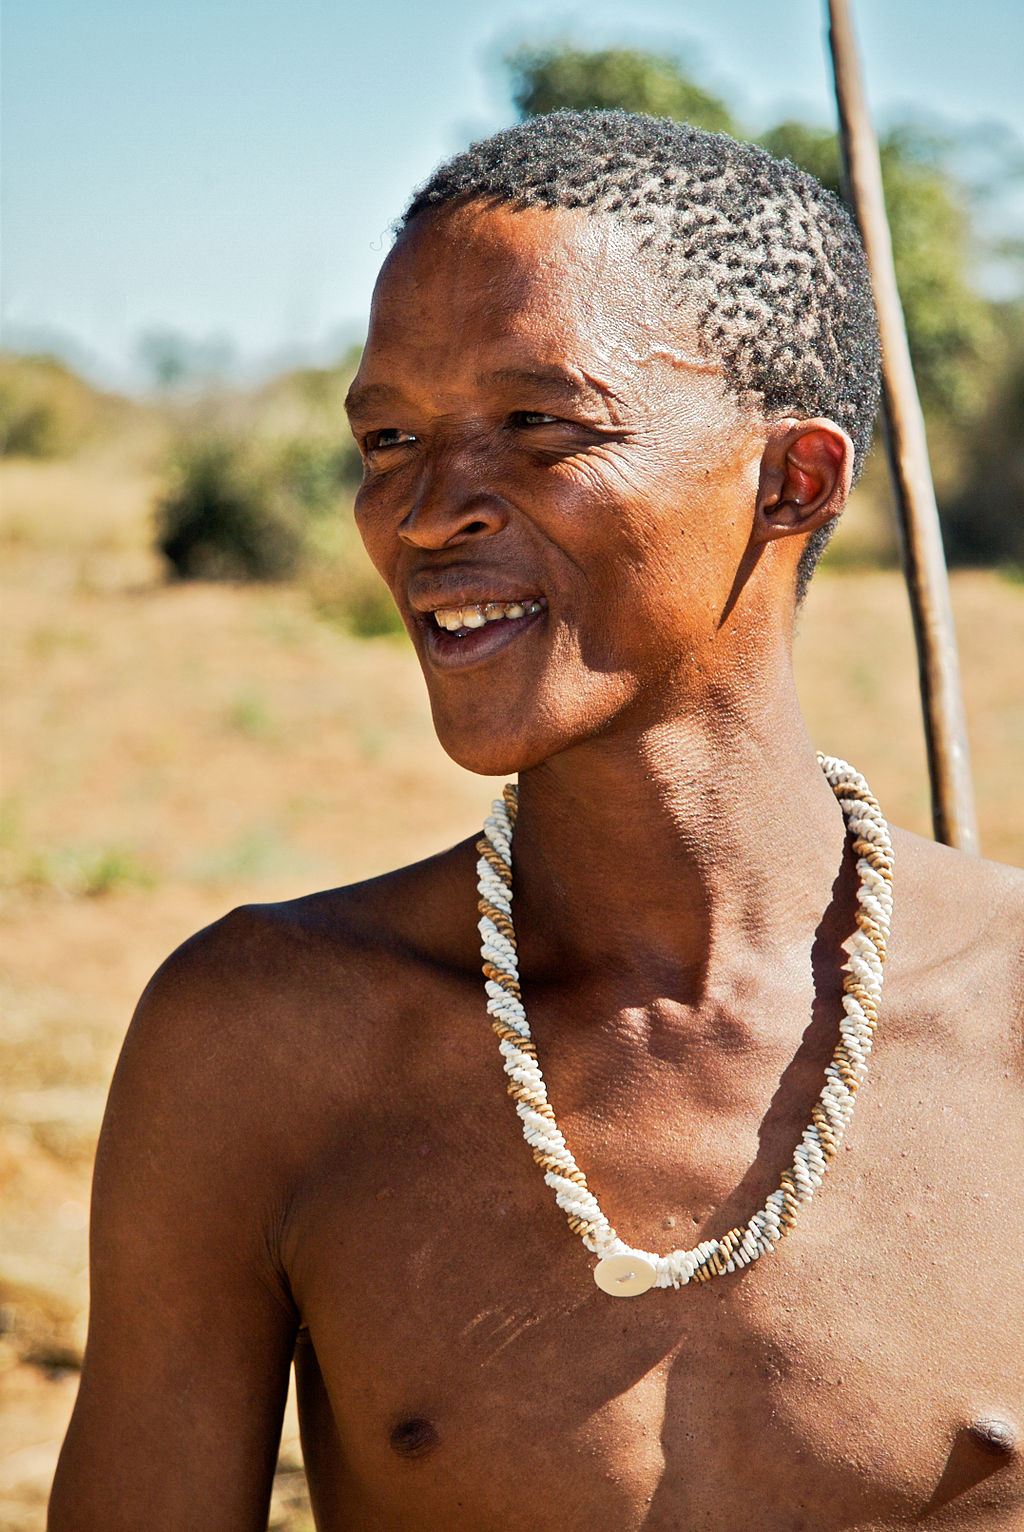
[623, 1270]
[673, 873]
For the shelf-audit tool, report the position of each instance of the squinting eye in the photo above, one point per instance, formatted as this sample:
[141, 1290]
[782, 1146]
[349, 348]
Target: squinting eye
[533, 418]
[391, 436]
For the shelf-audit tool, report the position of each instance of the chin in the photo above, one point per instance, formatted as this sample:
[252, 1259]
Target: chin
[498, 737]
[490, 747]
[490, 757]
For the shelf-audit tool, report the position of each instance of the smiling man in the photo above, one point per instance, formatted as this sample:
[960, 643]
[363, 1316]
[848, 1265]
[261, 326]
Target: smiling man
[619, 376]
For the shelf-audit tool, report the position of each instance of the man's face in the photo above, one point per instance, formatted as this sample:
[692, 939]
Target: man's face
[558, 490]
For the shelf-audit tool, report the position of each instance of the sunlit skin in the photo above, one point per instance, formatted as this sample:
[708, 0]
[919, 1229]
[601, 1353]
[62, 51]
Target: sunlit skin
[309, 1146]
[555, 445]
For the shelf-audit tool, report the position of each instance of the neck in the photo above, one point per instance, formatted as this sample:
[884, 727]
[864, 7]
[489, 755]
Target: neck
[674, 850]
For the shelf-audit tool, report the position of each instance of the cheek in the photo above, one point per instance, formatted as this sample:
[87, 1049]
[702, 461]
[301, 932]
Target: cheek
[376, 526]
[659, 550]
[704, 531]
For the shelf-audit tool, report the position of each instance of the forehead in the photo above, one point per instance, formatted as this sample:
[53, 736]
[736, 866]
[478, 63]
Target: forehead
[486, 278]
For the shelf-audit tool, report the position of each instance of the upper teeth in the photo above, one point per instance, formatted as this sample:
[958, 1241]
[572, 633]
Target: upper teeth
[474, 616]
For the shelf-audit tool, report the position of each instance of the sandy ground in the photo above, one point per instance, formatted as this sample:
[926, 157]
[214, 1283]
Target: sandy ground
[171, 751]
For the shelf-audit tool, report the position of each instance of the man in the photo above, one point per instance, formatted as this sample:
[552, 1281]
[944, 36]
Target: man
[618, 378]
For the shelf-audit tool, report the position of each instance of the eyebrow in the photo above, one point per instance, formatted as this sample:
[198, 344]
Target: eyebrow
[551, 377]
[359, 400]
[370, 396]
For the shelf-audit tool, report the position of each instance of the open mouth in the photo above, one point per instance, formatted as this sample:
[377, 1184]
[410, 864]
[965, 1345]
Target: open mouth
[462, 620]
[458, 636]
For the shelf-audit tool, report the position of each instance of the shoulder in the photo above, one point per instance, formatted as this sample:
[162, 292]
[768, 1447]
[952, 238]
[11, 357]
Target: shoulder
[957, 941]
[417, 914]
[267, 1034]
[956, 905]
[264, 987]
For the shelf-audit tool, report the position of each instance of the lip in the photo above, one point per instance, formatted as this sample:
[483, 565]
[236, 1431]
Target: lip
[448, 651]
[429, 591]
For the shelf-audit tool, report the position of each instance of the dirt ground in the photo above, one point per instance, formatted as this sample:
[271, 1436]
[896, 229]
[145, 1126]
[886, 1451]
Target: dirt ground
[174, 750]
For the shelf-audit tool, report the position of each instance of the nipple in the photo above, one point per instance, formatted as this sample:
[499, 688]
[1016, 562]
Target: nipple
[983, 1448]
[992, 1435]
[413, 1438]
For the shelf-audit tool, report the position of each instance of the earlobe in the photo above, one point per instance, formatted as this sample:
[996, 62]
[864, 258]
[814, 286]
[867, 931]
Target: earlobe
[806, 470]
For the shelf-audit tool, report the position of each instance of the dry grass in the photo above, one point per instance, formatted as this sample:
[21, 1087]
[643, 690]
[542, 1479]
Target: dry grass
[857, 673]
[174, 749]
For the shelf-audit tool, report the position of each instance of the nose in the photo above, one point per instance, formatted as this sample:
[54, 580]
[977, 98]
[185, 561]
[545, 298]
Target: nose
[451, 508]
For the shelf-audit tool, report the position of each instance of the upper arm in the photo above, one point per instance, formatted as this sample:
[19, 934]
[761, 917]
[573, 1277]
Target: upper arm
[191, 1328]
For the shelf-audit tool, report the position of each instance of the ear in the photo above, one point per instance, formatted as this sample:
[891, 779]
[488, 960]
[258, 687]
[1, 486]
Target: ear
[806, 472]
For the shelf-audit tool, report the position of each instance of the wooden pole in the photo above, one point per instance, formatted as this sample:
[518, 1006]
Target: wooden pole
[945, 730]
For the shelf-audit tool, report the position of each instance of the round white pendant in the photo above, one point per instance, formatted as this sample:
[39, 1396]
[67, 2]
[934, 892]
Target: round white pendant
[624, 1276]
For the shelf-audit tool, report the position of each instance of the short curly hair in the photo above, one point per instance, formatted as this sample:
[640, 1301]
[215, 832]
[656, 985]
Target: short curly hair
[771, 260]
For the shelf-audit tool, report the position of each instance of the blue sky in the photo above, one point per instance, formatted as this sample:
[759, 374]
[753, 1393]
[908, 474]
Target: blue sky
[230, 167]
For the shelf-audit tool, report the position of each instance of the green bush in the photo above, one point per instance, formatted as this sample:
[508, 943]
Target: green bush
[46, 411]
[227, 515]
[256, 477]
[546, 78]
[239, 509]
[357, 600]
[317, 471]
[345, 588]
[983, 521]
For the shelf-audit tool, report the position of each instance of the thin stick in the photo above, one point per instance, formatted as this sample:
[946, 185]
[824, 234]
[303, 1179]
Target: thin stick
[945, 730]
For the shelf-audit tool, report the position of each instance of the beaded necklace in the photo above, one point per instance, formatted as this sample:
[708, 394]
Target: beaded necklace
[621, 1270]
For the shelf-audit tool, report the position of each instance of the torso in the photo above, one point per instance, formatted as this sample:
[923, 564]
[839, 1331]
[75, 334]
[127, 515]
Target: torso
[458, 1367]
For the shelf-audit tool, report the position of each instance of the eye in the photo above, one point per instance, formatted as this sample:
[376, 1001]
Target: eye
[390, 436]
[523, 419]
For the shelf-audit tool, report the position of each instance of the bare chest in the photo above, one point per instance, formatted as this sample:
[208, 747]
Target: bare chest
[459, 1367]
